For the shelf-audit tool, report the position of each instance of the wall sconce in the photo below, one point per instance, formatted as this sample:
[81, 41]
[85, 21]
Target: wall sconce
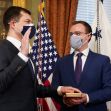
[3, 34]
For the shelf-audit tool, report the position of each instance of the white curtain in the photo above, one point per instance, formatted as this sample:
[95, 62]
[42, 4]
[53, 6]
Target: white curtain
[105, 41]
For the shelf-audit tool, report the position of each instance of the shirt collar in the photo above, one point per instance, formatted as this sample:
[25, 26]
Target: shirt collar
[14, 41]
[85, 52]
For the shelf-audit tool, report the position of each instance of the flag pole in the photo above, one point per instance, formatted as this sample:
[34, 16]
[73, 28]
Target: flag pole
[40, 46]
[98, 28]
[39, 100]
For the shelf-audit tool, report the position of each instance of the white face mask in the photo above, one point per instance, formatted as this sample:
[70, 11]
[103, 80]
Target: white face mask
[76, 42]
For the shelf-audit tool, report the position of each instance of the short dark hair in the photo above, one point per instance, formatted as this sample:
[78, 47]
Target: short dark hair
[13, 12]
[87, 26]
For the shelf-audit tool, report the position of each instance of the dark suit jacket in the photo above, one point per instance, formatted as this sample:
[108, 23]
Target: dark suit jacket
[16, 82]
[95, 80]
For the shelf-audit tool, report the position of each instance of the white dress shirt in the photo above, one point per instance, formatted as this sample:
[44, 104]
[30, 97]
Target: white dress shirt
[17, 44]
[84, 57]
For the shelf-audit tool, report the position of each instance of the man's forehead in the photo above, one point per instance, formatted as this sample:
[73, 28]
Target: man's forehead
[26, 15]
[78, 27]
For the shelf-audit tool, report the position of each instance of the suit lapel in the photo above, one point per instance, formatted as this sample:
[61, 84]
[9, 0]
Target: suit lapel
[14, 51]
[11, 47]
[10, 50]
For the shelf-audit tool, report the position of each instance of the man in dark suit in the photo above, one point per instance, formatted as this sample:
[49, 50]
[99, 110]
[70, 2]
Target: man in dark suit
[88, 71]
[17, 90]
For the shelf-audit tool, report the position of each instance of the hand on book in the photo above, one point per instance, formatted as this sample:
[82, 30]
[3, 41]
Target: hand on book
[75, 99]
[68, 89]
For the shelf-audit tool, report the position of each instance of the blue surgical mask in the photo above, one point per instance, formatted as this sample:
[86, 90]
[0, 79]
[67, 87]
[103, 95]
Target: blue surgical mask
[33, 30]
[75, 41]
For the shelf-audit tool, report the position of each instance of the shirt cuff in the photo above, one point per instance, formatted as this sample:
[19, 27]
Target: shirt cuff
[23, 57]
[87, 98]
[59, 90]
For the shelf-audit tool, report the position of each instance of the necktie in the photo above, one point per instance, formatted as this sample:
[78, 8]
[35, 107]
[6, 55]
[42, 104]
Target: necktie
[78, 67]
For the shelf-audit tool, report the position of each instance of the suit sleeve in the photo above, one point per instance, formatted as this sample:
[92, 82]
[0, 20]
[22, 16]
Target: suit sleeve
[43, 91]
[103, 94]
[8, 71]
[56, 80]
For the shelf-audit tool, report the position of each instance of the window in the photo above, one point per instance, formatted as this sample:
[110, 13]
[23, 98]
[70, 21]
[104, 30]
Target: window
[107, 6]
[87, 9]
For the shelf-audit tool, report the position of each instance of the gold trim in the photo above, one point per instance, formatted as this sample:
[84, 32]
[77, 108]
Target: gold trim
[20, 3]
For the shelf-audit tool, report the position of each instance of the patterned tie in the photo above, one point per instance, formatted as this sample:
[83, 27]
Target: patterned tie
[78, 67]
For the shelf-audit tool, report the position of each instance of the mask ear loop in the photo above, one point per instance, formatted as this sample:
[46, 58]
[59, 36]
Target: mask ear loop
[85, 40]
[89, 34]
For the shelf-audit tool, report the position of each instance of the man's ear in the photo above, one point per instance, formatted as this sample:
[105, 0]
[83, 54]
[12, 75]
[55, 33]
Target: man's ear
[89, 36]
[12, 24]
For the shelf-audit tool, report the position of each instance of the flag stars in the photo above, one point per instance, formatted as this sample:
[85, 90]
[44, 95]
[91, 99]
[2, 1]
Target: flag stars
[50, 54]
[49, 67]
[44, 22]
[45, 28]
[50, 60]
[46, 48]
[55, 59]
[44, 75]
[42, 29]
[33, 57]
[55, 53]
[49, 34]
[44, 68]
[46, 41]
[50, 47]
[45, 55]
[54, 47]
[50, 40]
[34, 51]
[34, 44]
[45, 61]
[46, 34]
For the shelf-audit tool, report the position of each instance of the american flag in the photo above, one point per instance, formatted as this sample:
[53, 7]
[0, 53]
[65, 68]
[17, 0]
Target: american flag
[44, 58]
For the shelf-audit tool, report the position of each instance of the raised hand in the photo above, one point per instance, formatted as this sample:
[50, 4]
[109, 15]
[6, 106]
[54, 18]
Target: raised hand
[25, 43]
